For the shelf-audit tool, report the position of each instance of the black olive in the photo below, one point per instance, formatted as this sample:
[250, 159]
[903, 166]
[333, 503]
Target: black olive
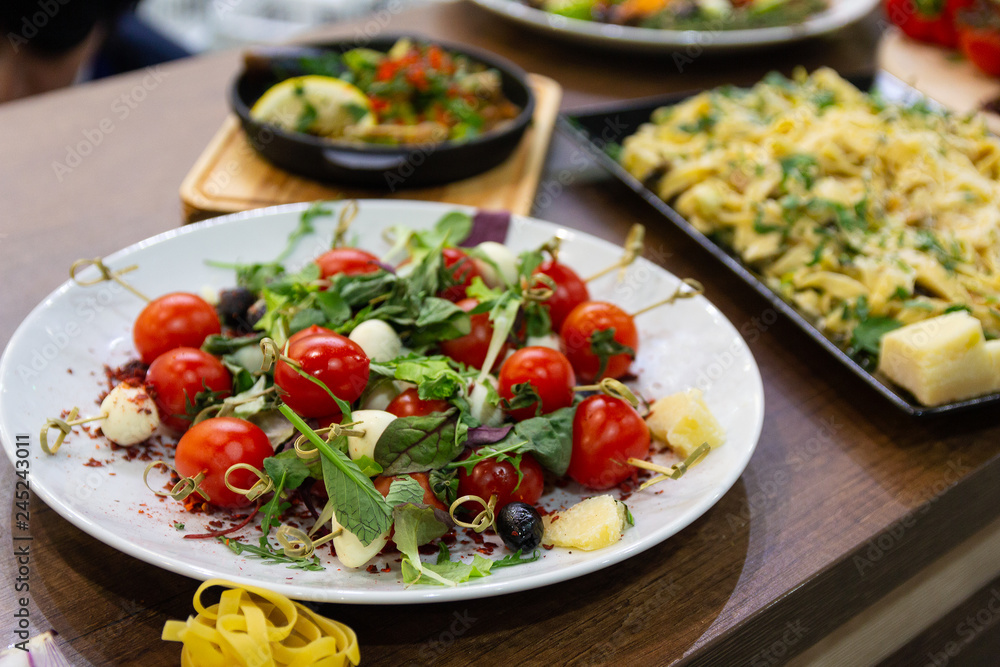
[233, 306]
[520, 527]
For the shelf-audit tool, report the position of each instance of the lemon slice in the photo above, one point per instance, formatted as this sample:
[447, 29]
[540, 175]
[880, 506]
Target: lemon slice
[320, 105]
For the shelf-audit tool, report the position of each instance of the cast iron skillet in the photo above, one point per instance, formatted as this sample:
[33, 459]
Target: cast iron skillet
[384, 167]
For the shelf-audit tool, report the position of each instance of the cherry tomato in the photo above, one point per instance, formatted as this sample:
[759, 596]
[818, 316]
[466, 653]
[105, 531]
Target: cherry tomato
[409, 404]
[607, 431]
[463, 273]
[591, 317]
[173, 320]
[547, 370]
[490, 477]
[979, 36]
[311, 330]
[178, 375]
[471, 348]
[215, 445]
[349, 261]
[335, 360]
[382, 485]
[569, 293]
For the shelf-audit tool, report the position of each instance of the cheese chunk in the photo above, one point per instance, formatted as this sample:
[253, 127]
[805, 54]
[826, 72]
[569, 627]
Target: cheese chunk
[941, 359]
[130, 415]
[684, 422]
[591, 524]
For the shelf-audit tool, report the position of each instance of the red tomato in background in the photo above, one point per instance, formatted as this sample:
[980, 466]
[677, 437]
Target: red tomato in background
[463, 273]
[570, 291]
[547, 370]
[409, 404]
[335, 360]
[585, 320]
[382, 485]
[215, 445]
[174, 320]
[979, 36]
[931, 21]
[177, 376]
[349, 261]
[490, 477]
[471, 348]
[607, 431]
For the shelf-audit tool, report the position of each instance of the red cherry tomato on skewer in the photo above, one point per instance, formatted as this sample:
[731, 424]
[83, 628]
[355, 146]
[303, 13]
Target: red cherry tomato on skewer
[173, 320]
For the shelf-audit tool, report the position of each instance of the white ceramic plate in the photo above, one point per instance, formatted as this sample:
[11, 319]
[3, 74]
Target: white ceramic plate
[81, 329]
[627, 38]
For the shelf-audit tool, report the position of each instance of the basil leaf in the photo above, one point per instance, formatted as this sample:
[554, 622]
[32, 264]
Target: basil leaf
[218, 345]
[357, 506]
[548, 438]
[305, 318]
[437, 320]
[604, 346]
[444, 485]
[368, 466]
[359, 290]
[416, 444]
[289, 465]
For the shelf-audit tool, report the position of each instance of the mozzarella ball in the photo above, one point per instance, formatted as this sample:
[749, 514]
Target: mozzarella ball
[250, 357]
[480, 406]
[505, 260]
[379, 341]
[131, 415]
[350, 551]
[379, 395]
[373, 423]
[548, 340]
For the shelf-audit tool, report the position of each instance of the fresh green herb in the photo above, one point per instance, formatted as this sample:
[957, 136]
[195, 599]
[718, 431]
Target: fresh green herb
[436, 377]
[515, 559]
[798, 167]
[270, 557]
[604, 346]
[178, 525]
[416, 444]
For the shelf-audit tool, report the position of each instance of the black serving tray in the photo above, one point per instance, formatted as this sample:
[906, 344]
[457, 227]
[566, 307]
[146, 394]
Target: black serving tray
[600, 127]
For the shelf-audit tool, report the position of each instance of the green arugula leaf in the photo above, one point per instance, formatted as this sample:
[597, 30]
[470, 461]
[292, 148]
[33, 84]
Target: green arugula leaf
[219, 345]
[515, 559]
[358, 507]
[271, 558]
[417, 444]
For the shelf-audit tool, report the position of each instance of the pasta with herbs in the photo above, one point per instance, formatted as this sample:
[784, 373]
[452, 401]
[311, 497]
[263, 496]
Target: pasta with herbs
[255, 626]
[855, 210]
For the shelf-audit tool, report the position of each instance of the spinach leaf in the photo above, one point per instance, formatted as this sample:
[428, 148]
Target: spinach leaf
[417, 444]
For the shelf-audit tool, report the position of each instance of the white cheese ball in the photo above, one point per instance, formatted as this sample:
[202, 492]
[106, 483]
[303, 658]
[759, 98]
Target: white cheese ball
[480, 406]
[131, 415]
[350, 551]
[505, 260]
[373, 423]
[379, 340]
[548, 340]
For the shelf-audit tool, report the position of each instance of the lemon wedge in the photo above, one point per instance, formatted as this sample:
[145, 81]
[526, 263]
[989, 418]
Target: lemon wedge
[320, 105]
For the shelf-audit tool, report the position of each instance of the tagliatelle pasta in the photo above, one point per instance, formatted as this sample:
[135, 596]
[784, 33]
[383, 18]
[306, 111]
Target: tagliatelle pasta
[851, 208]
[255, 626]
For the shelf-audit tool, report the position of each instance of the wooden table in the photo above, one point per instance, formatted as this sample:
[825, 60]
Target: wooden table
[843, 501]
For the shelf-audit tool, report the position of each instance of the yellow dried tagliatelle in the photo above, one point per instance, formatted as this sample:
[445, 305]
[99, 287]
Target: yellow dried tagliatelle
[254, 626]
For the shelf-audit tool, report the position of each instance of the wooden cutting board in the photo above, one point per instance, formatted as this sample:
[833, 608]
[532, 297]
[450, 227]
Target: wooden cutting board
[940, 74]
[230, 176]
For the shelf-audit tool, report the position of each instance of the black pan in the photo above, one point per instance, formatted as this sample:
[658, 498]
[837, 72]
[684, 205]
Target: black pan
[384, 167]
